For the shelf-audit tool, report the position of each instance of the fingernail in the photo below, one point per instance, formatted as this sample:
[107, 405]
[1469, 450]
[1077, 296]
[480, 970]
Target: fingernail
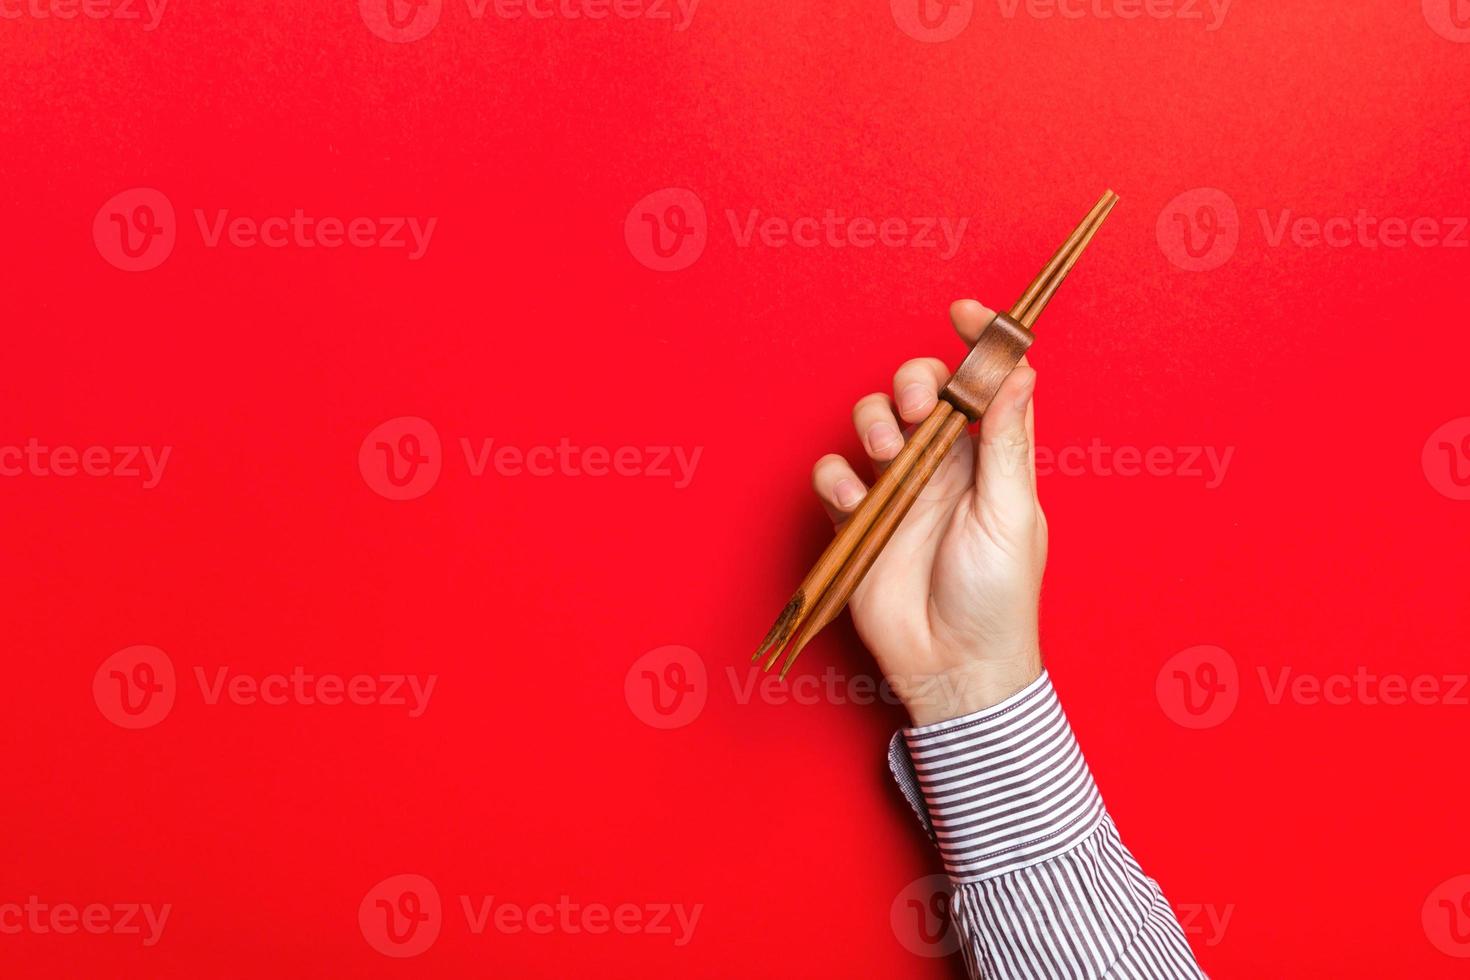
[883, 436]
[914, 399]
[1025, 397]
[848, 493]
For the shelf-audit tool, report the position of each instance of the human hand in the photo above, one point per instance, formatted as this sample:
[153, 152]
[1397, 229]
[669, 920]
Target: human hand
[949, 609]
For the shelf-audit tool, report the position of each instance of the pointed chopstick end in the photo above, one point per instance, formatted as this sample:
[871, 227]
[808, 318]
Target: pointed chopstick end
[786, 624]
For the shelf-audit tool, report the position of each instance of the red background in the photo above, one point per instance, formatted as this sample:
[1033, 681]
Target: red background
[528, 320]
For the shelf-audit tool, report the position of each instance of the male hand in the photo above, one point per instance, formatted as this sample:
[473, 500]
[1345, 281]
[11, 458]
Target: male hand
[949, 609]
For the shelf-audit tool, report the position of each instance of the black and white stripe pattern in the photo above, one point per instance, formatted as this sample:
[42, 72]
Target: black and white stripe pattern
[1043, 886]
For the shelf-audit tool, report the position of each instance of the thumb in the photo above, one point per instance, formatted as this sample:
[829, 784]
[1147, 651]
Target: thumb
[1006, 455]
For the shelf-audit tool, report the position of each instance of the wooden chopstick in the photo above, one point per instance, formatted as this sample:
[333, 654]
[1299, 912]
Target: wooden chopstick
[848, 537]
[872, 544]
[936, 449]
[1031, 313]
[846, 560]
[1048, 274]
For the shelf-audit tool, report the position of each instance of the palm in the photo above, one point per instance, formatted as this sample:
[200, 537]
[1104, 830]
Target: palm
[951, 571]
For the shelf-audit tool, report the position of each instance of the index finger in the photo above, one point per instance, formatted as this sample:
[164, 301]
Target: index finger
[970, 317]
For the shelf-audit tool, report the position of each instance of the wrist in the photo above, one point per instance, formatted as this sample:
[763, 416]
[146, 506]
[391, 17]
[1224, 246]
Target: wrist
[969, 688]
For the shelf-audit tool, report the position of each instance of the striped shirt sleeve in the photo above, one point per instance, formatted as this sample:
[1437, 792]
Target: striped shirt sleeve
[1043, 886]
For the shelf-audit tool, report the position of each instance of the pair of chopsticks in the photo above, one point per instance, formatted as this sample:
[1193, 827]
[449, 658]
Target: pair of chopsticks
[840, 569]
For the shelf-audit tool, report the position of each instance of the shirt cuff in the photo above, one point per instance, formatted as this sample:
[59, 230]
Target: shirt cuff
[1001, 789]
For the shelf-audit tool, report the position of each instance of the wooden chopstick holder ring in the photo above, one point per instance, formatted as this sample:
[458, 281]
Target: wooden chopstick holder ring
[996, 353]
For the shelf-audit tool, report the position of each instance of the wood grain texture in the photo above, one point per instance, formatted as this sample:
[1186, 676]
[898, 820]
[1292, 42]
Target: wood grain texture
[997, 351]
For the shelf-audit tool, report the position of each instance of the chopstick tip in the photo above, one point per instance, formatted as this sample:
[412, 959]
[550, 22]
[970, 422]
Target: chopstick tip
[786, 624]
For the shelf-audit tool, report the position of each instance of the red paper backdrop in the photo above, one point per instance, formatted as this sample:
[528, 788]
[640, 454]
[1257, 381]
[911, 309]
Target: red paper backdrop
[1300, 838]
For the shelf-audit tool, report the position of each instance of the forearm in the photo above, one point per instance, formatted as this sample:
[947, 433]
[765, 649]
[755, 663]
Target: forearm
[1043, 886]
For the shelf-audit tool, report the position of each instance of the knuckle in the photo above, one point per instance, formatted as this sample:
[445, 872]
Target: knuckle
[869, 403]
[826, 467]
[925, 370]
[1015, 447]
[1011, 440]
[1010, 449]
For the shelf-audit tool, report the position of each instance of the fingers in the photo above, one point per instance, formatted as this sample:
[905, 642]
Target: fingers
[1005, 456]
[877, 427]
[916, 387]
[969, 318]
[838, 486]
